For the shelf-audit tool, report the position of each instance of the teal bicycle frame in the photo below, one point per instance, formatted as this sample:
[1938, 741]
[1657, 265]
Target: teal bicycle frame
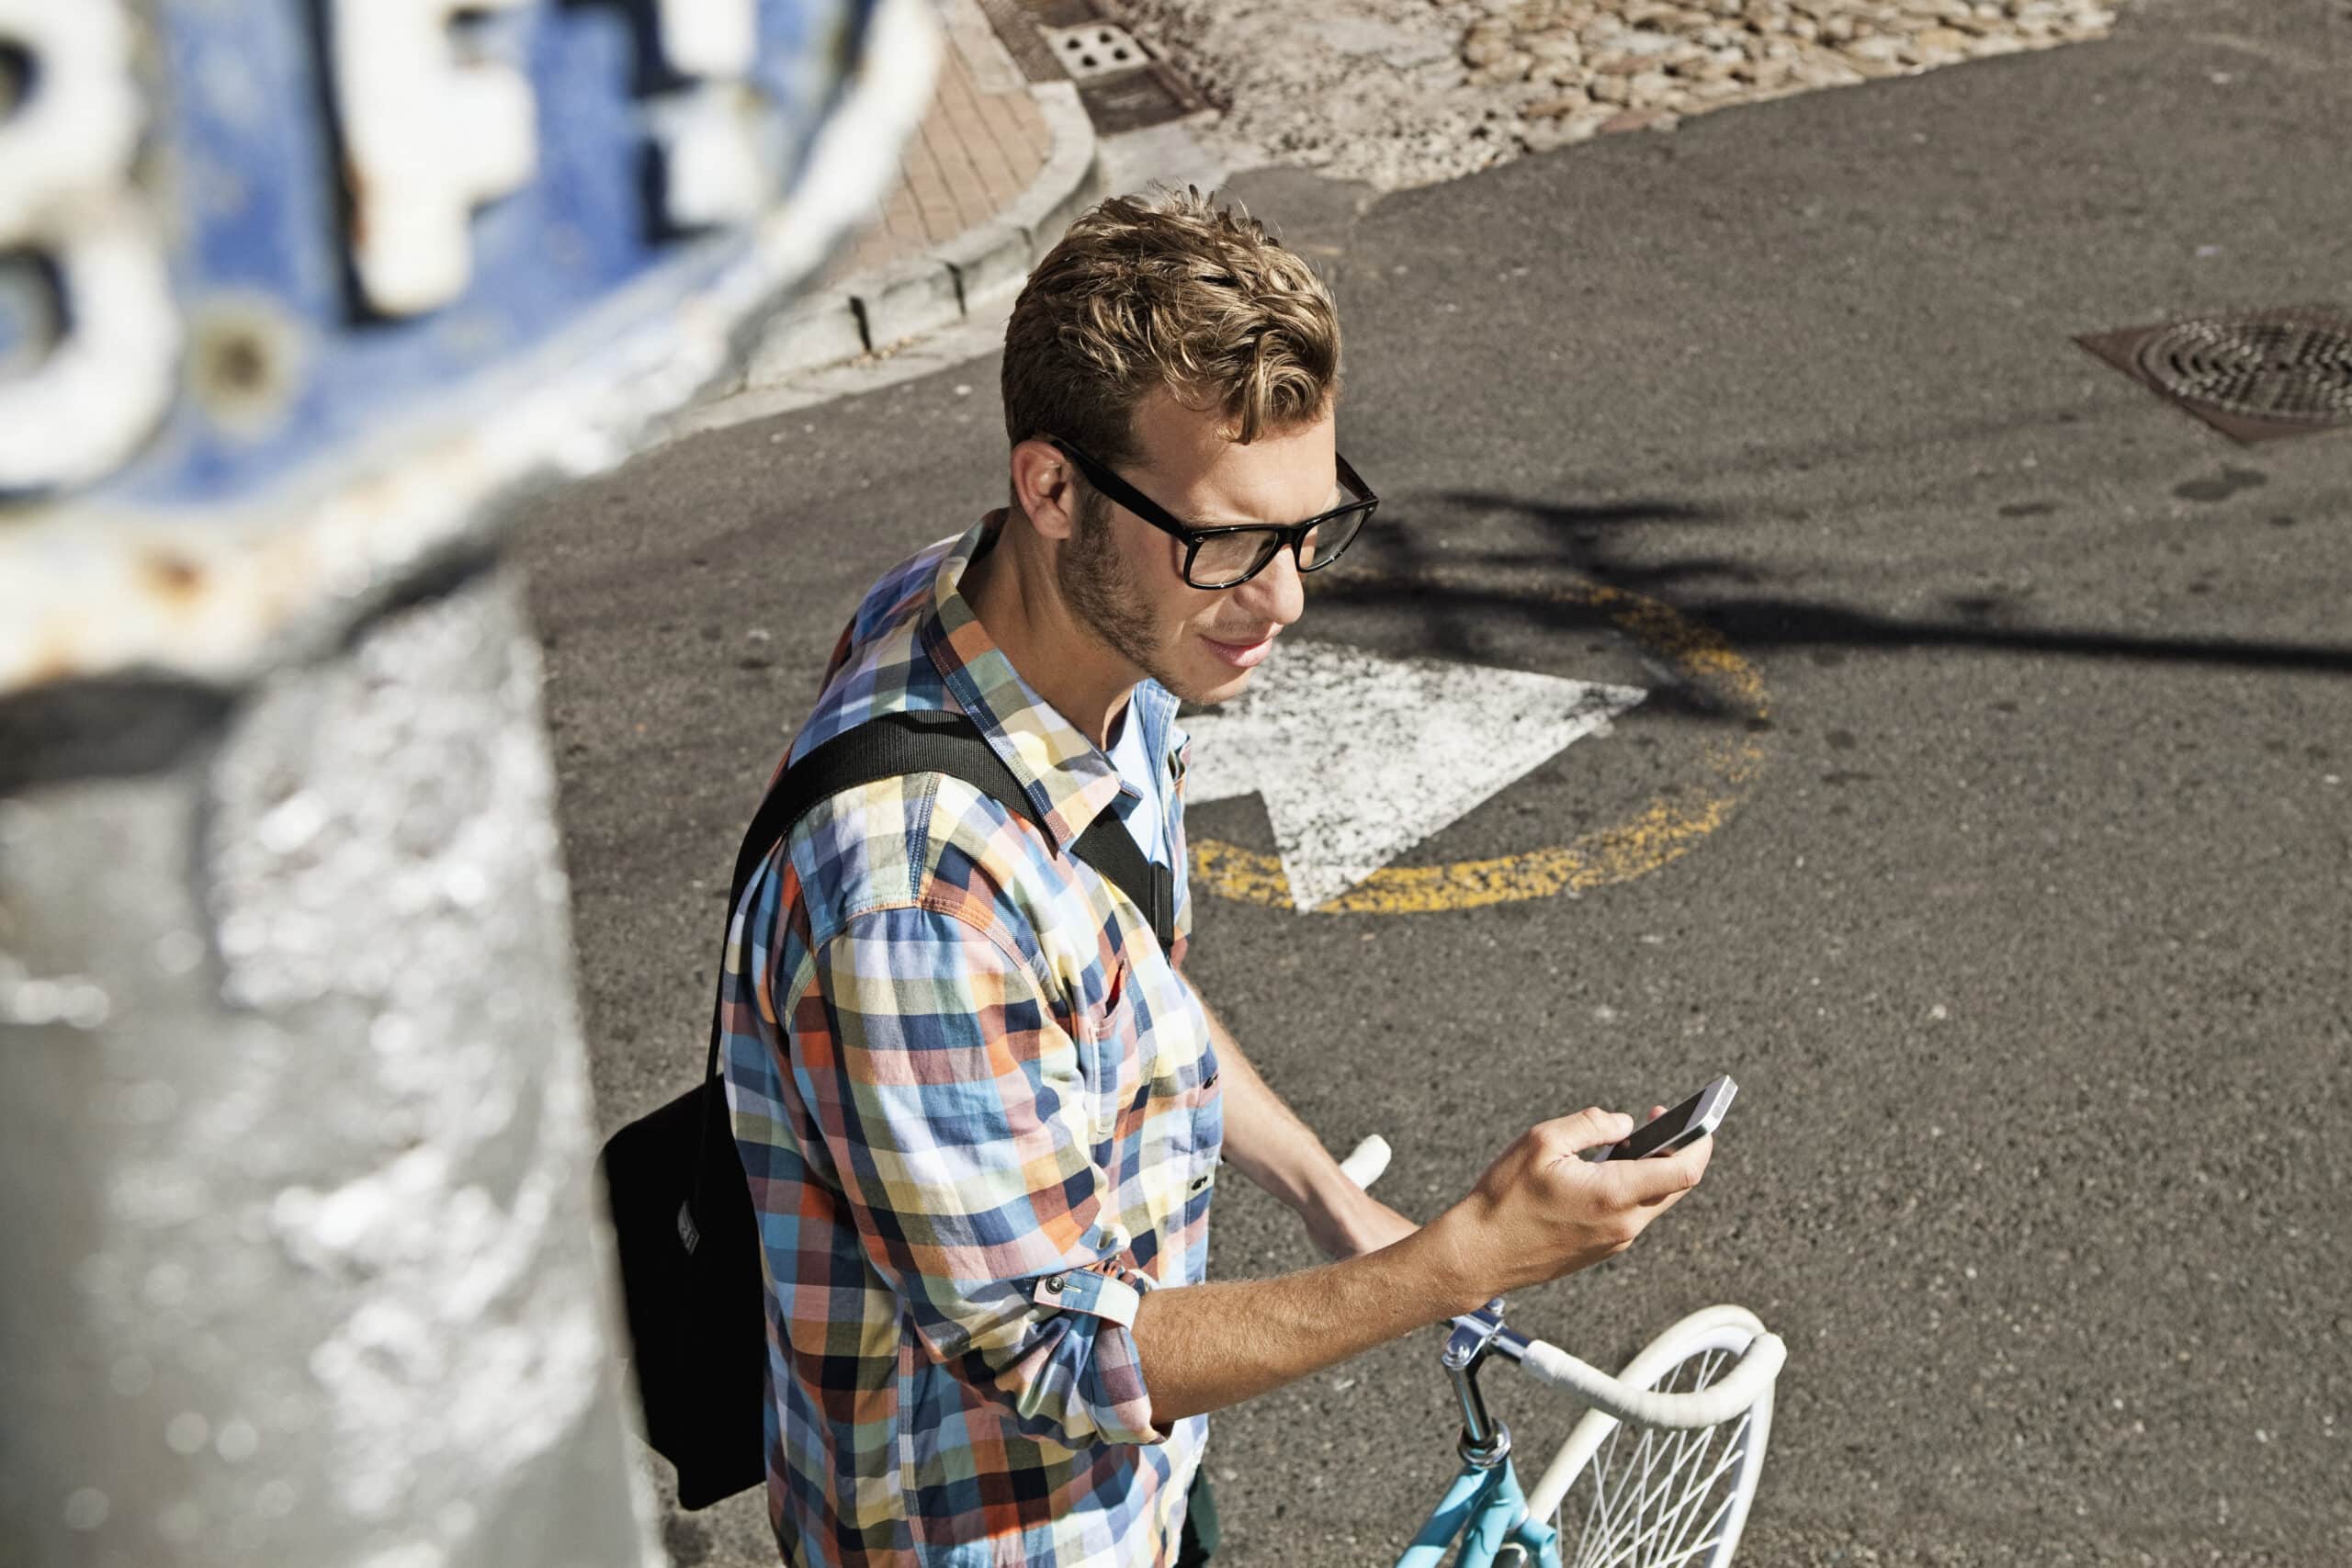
[1485, 1508]
[1488, 1511]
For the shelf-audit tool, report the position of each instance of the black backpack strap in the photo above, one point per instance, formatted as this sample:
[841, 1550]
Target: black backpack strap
[890, 746]
[1109, 847]
[887, 746]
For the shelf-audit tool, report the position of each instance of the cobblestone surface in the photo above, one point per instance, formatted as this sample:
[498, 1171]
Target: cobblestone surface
[1408, 92]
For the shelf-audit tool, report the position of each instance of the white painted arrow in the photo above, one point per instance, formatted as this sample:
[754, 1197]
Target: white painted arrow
[1359, 758]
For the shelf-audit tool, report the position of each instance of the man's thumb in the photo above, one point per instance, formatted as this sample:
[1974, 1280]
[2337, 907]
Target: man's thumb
[1593, 1128]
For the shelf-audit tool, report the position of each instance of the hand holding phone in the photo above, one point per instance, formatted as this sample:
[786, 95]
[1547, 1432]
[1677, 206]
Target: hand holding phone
[1686, 1123]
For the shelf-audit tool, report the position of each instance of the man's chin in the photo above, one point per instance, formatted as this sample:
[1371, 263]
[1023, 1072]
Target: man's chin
[1196, 690]
[1226, 690]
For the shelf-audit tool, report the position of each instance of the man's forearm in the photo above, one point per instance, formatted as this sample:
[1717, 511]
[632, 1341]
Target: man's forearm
[1206, 1346]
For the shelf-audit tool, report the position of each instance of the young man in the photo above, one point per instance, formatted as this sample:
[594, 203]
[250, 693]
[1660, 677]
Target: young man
[981, 1108]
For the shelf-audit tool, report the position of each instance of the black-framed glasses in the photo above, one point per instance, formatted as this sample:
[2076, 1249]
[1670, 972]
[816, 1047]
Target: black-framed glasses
[1229, 555]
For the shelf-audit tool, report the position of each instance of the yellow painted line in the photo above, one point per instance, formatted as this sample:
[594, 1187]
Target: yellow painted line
[1669, 828]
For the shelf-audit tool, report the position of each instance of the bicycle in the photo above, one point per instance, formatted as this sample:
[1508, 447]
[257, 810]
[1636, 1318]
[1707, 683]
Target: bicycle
[1658, 1507]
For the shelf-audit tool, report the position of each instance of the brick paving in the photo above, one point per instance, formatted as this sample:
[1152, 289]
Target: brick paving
[976, 150]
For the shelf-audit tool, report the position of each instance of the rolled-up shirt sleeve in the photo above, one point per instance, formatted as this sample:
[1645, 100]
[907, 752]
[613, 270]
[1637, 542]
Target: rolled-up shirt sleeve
[955, 1108]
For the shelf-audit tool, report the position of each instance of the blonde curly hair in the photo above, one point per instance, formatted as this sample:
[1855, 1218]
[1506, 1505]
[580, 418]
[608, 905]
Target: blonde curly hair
[1167, 290]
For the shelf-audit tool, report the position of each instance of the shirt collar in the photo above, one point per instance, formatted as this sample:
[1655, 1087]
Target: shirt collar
[1066, 778]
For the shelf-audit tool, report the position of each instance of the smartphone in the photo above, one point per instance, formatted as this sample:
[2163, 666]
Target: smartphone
[1686, 1123]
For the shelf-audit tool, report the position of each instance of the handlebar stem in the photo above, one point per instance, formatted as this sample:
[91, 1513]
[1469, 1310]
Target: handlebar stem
[1486, 1442]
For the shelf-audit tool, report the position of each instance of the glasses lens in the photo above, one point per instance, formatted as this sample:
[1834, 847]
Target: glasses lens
[1225, 558]
[1332, 536]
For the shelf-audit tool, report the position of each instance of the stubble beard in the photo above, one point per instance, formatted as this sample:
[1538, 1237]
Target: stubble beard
[1104, 594]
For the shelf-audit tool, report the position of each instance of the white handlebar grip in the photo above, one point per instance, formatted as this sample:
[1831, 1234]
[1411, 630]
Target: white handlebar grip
[1370, 1158]
[1718, 1402]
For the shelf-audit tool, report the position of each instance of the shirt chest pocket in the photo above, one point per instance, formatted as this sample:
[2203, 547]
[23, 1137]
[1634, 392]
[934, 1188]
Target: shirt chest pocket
[1153, 1077]
[1114, 1058]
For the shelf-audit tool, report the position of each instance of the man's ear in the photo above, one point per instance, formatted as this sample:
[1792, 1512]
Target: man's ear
[1047, 487]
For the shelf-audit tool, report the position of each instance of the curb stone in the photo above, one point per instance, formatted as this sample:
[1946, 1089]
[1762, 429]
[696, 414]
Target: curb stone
[874, 310]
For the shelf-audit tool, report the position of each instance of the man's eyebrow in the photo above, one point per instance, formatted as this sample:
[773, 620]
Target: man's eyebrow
[1334, 499]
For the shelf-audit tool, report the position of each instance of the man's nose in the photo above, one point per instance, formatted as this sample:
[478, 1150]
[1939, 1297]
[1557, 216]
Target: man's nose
[1276, 593]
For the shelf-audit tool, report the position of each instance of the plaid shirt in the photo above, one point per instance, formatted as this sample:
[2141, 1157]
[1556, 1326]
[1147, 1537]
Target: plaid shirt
[979, 1113]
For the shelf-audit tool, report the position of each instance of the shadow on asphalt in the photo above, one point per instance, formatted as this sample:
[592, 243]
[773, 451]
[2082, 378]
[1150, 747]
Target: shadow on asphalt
[1425, 588]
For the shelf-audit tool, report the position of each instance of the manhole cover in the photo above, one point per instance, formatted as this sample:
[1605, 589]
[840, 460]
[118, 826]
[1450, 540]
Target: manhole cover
[1098, 49]
[2254, 378]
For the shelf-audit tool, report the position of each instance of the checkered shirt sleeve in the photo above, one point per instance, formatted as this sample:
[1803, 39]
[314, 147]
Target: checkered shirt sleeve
[953, 1108]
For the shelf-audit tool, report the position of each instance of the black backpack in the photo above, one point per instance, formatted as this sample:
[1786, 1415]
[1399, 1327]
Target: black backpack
[688, 1243]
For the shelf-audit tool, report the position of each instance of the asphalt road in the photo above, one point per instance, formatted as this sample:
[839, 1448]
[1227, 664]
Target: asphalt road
[2026, 928]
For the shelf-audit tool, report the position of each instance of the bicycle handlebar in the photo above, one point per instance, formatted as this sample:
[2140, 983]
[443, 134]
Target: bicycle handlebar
[1720, 1401]
[1363, 1165]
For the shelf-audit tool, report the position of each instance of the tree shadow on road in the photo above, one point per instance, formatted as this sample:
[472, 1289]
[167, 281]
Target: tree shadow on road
[1454, 588]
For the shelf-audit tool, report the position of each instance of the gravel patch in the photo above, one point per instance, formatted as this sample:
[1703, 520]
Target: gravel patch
[1401, 93]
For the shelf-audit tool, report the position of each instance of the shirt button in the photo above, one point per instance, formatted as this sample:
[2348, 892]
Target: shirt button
[1056, 1284]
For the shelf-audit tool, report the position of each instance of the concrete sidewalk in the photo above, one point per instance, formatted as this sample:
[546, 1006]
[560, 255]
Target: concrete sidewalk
[1003, 160]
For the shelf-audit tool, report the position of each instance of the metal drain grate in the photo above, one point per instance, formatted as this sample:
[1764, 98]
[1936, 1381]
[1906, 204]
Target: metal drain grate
[1097, 49]
[2254, 378]
[2290, 370]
